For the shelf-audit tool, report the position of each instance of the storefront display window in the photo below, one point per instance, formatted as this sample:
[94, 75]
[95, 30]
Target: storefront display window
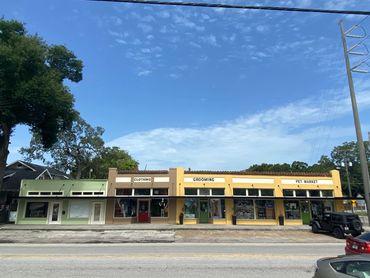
[125, 207]
[79, 209]
[217, 208]
[244, 209]
[265, 209]
[292, 210]
[36, 209]
[191, 208]
[159, 207]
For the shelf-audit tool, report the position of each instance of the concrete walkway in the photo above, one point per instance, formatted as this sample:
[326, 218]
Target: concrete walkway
[157, 227]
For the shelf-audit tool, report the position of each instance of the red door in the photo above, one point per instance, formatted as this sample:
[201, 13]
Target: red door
[143, 215]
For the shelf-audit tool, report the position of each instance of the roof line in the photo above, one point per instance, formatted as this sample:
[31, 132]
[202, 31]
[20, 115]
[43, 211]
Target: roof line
[23, 163]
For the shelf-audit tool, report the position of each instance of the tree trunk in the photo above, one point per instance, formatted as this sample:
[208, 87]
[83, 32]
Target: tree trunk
[5, 132]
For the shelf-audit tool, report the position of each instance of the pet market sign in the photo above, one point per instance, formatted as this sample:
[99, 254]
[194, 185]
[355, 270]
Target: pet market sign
[301, 181]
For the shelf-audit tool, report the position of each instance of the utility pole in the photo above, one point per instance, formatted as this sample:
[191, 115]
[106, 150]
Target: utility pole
[361, 148]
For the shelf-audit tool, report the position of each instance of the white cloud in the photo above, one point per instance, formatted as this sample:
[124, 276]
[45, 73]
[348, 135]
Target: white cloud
[210, 39]
[145, 27]
[282, 134]
[144, 73]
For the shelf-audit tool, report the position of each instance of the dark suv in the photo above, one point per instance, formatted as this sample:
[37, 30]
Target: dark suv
[338, 223]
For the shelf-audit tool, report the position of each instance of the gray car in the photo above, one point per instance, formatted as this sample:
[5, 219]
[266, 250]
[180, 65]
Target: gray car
[343, 266]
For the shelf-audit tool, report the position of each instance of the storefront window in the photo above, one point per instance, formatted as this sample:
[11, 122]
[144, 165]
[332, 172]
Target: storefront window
[244, 209]
[267, 192]
[300, 193]
[160, 191]
[217, 208]
[314, 193]
[124, 191]
[36, 209]
[125, 207]
[327, 193]
[191, 191]
[191, 208]
[288, 193]
[204, 191]
[265, 209]
[239, 192]
[159, 207]
[252, 192]
[79, 209]
[292, 210]
[218, 191]
[142, 191]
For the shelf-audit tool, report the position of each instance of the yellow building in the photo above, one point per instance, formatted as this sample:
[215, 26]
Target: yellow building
[243, 198]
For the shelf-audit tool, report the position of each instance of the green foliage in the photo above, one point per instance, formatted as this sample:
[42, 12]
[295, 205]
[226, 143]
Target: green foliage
[31, 86]
[348, 151]
[110, 157]
[80, 151]
[73, 151]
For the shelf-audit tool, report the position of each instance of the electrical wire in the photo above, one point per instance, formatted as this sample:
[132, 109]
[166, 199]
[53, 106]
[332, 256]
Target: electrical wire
[229, 6]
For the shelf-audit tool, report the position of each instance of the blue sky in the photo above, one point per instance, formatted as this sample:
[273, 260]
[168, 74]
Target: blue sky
[209, 89]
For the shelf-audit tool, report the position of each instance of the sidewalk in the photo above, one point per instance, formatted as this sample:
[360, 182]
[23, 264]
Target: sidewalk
[157, 227]
[161, 233]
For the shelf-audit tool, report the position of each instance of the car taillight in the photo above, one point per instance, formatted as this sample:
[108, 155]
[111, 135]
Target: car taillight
[365, 247]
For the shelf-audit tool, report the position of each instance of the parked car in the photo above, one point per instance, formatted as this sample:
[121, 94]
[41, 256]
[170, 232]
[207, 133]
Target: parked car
[343, 266]
[338, 223]
[358, 245]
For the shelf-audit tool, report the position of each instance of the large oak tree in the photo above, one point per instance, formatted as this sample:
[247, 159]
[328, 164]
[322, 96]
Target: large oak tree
[32, 92]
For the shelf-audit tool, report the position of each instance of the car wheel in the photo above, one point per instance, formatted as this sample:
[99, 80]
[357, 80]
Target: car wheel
[315, 228]
[357, 226]
[338, 232]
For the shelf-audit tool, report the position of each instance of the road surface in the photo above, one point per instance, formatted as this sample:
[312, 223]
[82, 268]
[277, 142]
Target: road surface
[164, 259]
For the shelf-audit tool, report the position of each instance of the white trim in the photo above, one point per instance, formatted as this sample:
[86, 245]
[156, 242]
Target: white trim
[23, 163]
[46, 170]
[8, 176]
[204, 180]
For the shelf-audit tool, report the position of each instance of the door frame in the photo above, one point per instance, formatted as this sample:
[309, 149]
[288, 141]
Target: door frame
[138, 209]
[50, 212]
[102, 212]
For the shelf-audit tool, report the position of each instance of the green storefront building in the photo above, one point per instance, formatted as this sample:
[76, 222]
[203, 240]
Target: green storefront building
[62, 202]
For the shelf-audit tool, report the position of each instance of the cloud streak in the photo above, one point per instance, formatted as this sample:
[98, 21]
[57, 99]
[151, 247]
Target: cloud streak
[282, 134]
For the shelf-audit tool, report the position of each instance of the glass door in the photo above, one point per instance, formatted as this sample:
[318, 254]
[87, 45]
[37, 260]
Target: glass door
[55, 214]
[305, 212]
[203, 211]
[97, 213]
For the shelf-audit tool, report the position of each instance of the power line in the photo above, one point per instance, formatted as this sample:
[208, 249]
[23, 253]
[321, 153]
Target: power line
[229, 6]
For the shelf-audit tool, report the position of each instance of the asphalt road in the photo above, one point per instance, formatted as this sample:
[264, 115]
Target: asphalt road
[164, 259]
